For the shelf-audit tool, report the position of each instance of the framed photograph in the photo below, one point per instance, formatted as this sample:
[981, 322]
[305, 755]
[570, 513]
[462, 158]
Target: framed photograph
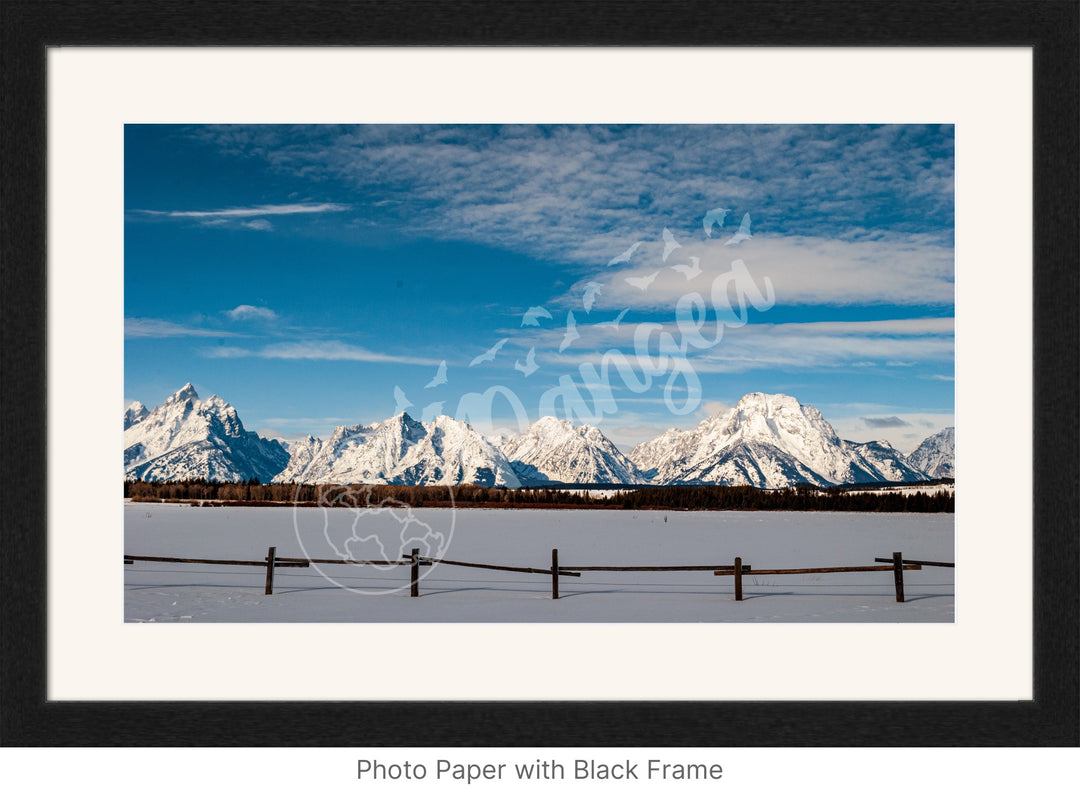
[790, 308]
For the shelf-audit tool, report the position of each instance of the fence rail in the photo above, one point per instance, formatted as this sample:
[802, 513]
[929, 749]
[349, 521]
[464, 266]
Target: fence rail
[916, 562]
[897, 564]
[281, 562]
[562, 570]
[649, 567]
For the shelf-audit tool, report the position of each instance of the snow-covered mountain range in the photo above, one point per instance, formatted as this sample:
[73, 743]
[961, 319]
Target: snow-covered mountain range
[400, 451]
[553, 450]
[767, 441]
[187, 438]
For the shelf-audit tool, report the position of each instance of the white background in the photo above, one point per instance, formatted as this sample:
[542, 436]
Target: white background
[986, 93]
[986, 654]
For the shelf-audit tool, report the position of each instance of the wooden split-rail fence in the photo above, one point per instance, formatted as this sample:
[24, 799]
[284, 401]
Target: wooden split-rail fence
[896, 564]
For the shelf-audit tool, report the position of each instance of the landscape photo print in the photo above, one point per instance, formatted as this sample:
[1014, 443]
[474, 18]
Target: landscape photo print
[539, 373]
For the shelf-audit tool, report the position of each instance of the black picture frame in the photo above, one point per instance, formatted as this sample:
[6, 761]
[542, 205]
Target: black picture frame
[1052, 29]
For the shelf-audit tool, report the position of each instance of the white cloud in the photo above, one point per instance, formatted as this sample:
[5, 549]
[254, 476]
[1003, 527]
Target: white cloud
[905, 327]
[227, 352]
[135, 327]
[899, 269]
[253, 211]
[583, 193]
[258, 225]
[872, 343]
[250, 218]
[331, 350]
[248, 312]
[776, 346]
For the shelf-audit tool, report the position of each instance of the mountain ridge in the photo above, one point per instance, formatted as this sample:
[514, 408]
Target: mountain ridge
[187, 438]
[554, 451]
[936, 455]
[767, 441]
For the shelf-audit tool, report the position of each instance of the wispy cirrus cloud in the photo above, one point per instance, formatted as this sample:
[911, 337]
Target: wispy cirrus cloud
[798, 346]
[135, 327]
[788, 346]
[903, 269]
[582, 193]
[263, 210]
[330, 350]
[841, 214]
[252, 218]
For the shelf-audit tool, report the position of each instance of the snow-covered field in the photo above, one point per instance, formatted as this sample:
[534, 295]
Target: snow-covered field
[203, 593]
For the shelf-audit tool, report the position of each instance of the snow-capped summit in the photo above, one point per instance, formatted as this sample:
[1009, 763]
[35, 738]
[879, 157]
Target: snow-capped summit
[452, 452]
[765, 440]
[889, 462]
[768, 441]
[134, 413]
[183, 394]
[936, 455]
[362, 454]
[301, 452]
[553, 450]
[400, 450]
[186, 438]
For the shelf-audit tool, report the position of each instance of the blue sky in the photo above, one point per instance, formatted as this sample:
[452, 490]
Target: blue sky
[320, 275]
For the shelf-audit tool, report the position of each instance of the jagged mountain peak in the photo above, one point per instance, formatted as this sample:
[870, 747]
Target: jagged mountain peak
[452, 452]
[186, 438]
[134, 413]
[768, 440]
[401, 450]
[446, 421]
[936, 455]
[886, 460]
[183, 394]
[553, 451]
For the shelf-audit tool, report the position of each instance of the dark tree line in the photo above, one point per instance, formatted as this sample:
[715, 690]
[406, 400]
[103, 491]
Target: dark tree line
[801, 498]
[683, 497]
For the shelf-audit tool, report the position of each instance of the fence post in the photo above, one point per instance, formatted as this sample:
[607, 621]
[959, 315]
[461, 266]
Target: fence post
[738, 579]
[270, 571]
[554, 573]
[415, 581]
[898, 575]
